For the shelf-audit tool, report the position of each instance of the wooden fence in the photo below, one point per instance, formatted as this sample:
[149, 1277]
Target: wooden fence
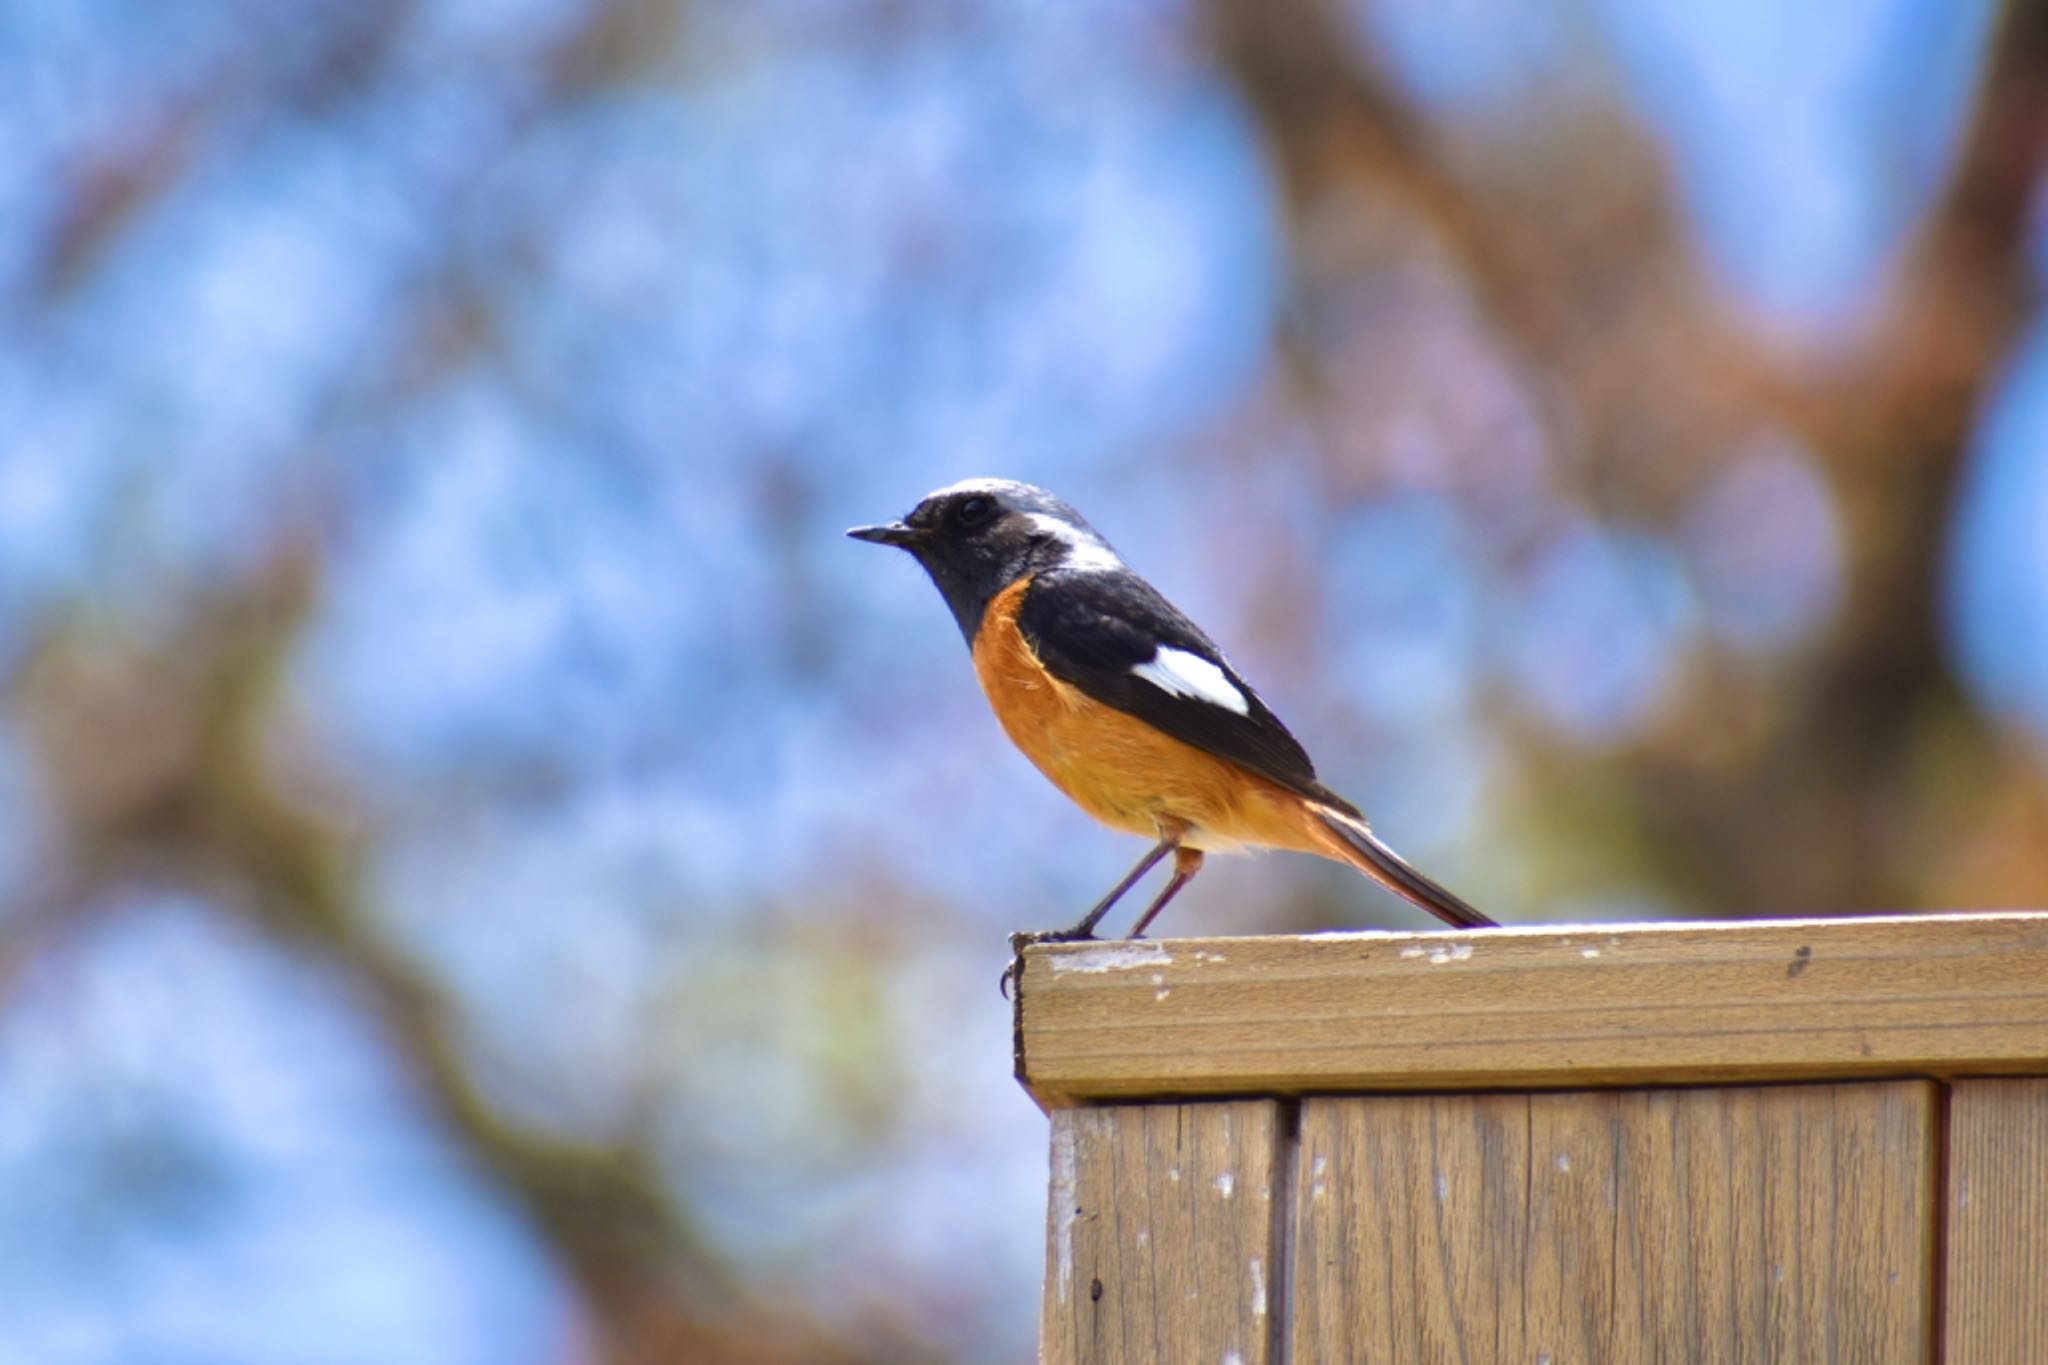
[1752, 1142]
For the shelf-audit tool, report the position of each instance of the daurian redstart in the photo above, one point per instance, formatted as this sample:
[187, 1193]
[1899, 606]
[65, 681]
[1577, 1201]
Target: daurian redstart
[1123, 702]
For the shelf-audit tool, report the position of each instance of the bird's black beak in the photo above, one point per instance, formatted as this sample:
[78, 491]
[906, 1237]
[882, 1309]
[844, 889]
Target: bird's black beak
[892, 533]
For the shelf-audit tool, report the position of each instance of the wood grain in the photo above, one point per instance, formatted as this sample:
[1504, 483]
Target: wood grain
[1732, 1225]
[1161, 1235]
[1998, 1223]
[1564, 1007]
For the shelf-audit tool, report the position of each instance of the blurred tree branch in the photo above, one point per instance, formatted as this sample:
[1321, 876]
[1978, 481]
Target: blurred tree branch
[156, 762]
[1584, 279]
[154, 754]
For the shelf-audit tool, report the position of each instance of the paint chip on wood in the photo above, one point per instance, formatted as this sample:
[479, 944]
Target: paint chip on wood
[1112, 957]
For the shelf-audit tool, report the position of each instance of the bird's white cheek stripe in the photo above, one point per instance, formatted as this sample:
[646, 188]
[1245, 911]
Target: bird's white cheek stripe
[1191, 675]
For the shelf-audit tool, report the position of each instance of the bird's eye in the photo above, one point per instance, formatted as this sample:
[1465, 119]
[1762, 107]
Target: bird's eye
[976, 510]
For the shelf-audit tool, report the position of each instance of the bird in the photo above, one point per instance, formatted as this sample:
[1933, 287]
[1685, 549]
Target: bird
[1124, 704]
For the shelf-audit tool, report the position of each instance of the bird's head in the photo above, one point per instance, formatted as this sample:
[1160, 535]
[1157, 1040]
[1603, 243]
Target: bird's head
[978, 536]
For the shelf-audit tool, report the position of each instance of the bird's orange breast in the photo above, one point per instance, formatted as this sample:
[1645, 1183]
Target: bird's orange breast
[1120, 770]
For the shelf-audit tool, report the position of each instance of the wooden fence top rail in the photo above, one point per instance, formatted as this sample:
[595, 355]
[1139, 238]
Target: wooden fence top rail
[1549, 1007]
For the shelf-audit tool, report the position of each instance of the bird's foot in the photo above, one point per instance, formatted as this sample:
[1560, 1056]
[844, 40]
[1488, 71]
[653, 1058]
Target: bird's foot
[1020, 941]
[1023, 939]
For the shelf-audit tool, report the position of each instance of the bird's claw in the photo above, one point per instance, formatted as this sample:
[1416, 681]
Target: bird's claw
[1024, 938]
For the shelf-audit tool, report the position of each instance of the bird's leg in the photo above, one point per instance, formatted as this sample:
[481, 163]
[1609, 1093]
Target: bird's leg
[1186, 863]
[1086, 928]
[1168, 842]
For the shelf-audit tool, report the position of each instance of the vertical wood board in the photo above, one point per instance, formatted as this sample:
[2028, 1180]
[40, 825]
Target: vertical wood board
[1997, 1312]
[1739, 1225]
[1161, 1234]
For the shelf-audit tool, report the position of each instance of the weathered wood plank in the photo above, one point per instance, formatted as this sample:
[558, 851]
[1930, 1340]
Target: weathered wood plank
[1161, 1234]
[1717, 1225]
[1536, 1008]
[1998, 1222]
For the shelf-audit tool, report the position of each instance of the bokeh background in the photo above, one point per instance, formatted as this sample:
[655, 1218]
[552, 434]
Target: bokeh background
[488, 874]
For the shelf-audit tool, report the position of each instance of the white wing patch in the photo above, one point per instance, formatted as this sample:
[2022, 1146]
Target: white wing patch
[1190, 675]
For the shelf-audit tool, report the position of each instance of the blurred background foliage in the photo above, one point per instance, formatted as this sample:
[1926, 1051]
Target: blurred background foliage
[489, 875]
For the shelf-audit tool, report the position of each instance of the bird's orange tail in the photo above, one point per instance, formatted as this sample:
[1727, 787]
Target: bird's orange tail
[1346, 839]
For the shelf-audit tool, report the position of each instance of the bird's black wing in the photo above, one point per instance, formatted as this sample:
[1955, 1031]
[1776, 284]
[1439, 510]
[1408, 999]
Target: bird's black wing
[1095, 630]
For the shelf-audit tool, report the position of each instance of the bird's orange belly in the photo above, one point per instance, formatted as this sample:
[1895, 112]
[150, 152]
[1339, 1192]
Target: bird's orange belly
[1120, 770]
